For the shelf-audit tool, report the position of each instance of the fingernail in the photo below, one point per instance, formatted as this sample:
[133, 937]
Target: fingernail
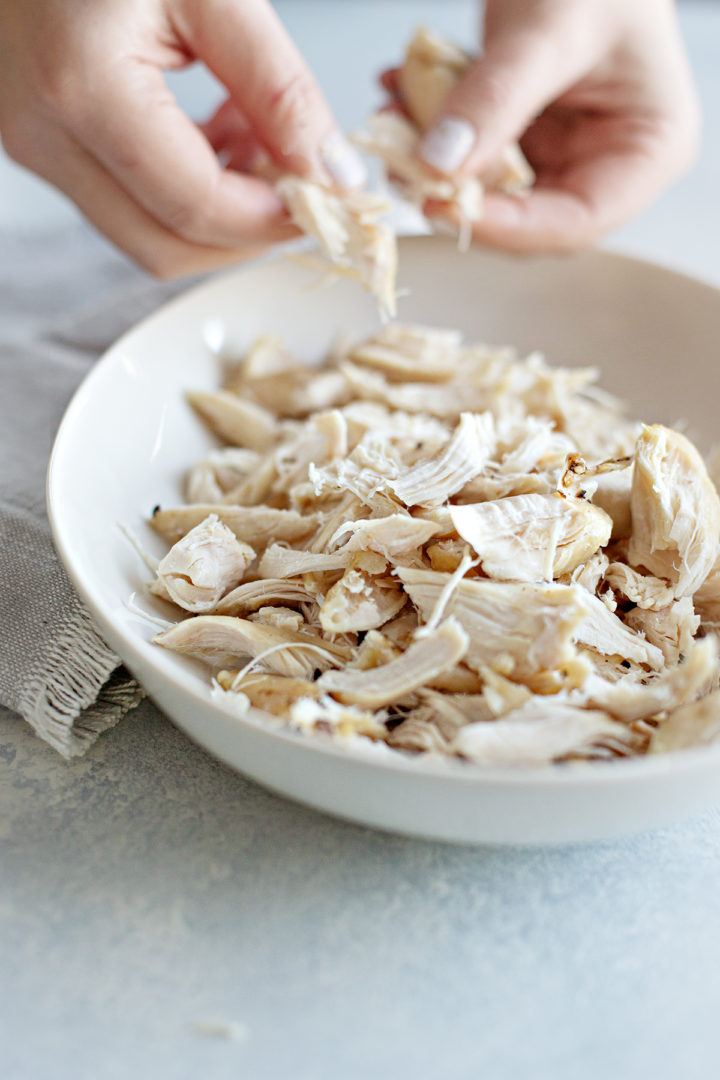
[342, 161]
[448, 143]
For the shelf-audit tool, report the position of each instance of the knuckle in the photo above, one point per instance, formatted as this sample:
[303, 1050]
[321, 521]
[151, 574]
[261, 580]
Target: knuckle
[289, 104]
[59, 92]
[65, 79]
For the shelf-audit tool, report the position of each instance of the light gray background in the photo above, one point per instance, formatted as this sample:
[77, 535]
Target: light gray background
[146, 889]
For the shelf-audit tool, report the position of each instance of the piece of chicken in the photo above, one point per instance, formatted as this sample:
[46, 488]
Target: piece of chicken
[349, 231]
[675, 511]
[206, 564]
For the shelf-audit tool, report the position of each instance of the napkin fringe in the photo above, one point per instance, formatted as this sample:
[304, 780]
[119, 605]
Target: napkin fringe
[80, 691]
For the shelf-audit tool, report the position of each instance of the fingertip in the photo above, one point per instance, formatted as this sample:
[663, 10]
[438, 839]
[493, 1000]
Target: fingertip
[342, 162]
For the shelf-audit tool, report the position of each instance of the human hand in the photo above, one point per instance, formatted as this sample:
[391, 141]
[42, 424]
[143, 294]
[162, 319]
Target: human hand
[600, 95]
[84, 104]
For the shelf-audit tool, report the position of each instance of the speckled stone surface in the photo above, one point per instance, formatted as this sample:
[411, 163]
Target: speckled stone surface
[147, 890]
[161, 917]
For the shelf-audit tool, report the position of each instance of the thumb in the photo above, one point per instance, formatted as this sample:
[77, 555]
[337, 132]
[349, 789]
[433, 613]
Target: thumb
[246, 46]
[528, 62]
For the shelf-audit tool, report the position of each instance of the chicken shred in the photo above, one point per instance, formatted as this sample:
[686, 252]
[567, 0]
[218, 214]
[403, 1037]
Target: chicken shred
[223, 639]
[360, 601]
[532, 537]
[238, 422]
[421, 662]
[431, 483]
[349, 233]
[538, 732]
[204, 566]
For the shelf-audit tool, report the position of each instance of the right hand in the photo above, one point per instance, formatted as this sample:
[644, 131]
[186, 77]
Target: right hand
[600, 95]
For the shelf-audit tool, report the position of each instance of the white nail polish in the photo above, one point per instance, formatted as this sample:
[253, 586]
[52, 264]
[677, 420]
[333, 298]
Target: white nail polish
[448, 143]
[342, 161]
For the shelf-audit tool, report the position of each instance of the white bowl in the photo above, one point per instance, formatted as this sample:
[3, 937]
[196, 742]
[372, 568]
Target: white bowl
[128, 435]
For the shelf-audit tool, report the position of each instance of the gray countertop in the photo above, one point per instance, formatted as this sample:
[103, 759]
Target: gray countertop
[148, 891]
[162, 917]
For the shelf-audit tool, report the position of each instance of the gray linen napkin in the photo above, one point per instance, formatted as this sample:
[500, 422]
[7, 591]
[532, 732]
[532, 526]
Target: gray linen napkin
[63, 298]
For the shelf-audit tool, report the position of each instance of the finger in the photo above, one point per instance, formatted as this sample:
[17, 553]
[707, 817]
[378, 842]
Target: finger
[569, 212]
[232, 139]
[545, 221]
[146, 142]
[109, 207]
[246, 46]
[527, 64]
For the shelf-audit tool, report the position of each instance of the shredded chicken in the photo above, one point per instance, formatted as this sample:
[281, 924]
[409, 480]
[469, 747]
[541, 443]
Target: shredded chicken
[430, 70]
[635, 697]
[604, 632]
[707, 598]
[538, 732]
[252, 595]
[327, 715]
[273, 693]
[353, 239]
[349, 233]
[448, 549]
[522, 630]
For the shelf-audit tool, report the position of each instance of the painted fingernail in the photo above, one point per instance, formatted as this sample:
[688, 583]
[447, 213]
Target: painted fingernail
[447, 144]
[342, 161]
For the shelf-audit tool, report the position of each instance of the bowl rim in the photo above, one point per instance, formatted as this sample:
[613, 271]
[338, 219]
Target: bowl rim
[592, 773]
